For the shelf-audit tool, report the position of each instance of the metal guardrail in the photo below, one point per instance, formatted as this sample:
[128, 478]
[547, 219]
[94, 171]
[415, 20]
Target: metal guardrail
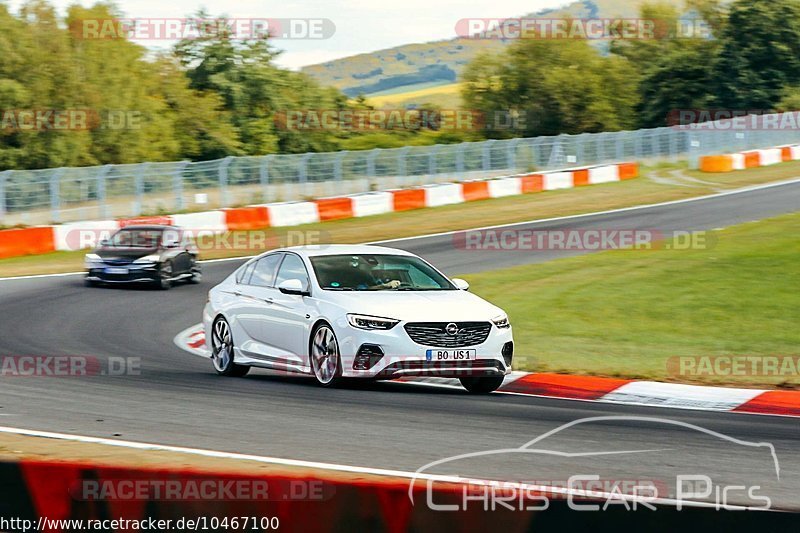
[110, 191]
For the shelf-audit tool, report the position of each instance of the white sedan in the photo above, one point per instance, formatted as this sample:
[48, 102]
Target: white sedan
[342, 311]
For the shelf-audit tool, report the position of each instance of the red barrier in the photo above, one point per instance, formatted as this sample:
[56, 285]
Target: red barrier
[580, 177]
[246, 218]
[26, 241]
[628, 171]
[475, 190]
[406, 199]
[309, 500]
[532, 183]
[752, 159]
[149, 221]
[334, 208]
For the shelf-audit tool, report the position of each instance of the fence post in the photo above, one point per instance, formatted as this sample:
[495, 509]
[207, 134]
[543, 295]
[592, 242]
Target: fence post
[263, 177]
[139, 188]
[371, 157]
[338, 166]
[487, 155]
[402, 162]
[177, 185]
[102, 194]
[432, 159]
[3, 179]
[511, 155]
[460, 157]
[55, 194]
[223, 181]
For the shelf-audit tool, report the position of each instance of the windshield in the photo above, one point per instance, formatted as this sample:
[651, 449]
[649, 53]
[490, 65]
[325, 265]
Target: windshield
[377, 273]
[136, 238]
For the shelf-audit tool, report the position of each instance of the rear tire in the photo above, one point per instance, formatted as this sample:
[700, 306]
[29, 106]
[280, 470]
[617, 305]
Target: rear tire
[482, 385]
[222, 351]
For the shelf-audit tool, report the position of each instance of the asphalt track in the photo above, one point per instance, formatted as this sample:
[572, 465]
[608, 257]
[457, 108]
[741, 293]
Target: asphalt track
[178, 400]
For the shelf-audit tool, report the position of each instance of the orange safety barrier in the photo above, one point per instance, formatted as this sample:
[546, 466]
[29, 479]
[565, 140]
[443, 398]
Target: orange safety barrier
[406, 199]
[580, 177]
[628, 171]
[786, 153]
[334, 208]
[26, 241]
[152, 221]
[716, 163]
[475, 190]
[532, 183]
[245, 218]
[752, 159]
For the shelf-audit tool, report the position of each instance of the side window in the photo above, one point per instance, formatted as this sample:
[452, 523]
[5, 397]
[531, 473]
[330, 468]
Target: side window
[264, 273]
[292, 268]
[243, 276]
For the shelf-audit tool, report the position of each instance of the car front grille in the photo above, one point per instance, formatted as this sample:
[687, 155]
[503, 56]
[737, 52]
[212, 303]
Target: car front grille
[118, 261]
[435, 333]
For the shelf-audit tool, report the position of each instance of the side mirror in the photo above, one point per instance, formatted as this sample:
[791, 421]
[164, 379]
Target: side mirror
[460, 284]
[105, 242]
[293, 286]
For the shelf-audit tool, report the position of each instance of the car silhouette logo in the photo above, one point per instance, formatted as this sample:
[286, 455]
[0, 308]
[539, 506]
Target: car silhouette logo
[451, 329]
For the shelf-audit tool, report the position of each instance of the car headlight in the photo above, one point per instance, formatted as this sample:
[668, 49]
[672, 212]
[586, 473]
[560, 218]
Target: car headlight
[91, 260]
[501, 321]
[148, 259]
[371, 322]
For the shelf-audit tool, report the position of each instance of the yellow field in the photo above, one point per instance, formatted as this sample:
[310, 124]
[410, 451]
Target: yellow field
[446, 96]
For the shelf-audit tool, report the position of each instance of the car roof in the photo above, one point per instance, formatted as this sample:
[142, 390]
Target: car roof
[158, 227]
[318, 250]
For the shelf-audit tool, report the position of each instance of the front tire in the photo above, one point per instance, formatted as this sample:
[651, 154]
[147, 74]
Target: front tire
[222, 350]
[165, 273]
[482, 385]
[326, 361]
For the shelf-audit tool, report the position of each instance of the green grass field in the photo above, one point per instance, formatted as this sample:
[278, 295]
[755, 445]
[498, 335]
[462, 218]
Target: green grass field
[625, 313]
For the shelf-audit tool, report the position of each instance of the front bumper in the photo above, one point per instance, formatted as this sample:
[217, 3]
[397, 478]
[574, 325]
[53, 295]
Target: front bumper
[146, 273]
[402, 357]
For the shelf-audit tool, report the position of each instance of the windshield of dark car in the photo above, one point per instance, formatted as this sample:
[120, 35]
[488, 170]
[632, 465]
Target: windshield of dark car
[377, 273]
[136, 238]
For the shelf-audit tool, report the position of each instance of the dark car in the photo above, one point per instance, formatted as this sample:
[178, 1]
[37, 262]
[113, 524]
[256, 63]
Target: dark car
[159, 255]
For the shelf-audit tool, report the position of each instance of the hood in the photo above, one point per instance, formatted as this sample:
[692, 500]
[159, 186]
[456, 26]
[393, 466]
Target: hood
[416, 306]
[124, 253]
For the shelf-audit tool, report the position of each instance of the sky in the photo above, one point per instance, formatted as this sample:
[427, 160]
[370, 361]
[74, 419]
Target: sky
[361, 25]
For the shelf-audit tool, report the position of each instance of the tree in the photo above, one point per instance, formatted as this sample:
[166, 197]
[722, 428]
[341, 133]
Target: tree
[759, 54]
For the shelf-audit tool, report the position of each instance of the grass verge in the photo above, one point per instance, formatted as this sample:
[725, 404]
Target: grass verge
[650, 188]
[627, 313]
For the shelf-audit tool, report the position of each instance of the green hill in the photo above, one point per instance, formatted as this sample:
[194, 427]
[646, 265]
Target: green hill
[440, 62]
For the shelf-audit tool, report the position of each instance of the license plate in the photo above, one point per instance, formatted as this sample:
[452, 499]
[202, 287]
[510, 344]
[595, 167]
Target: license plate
[112, 270]
[451, 355]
